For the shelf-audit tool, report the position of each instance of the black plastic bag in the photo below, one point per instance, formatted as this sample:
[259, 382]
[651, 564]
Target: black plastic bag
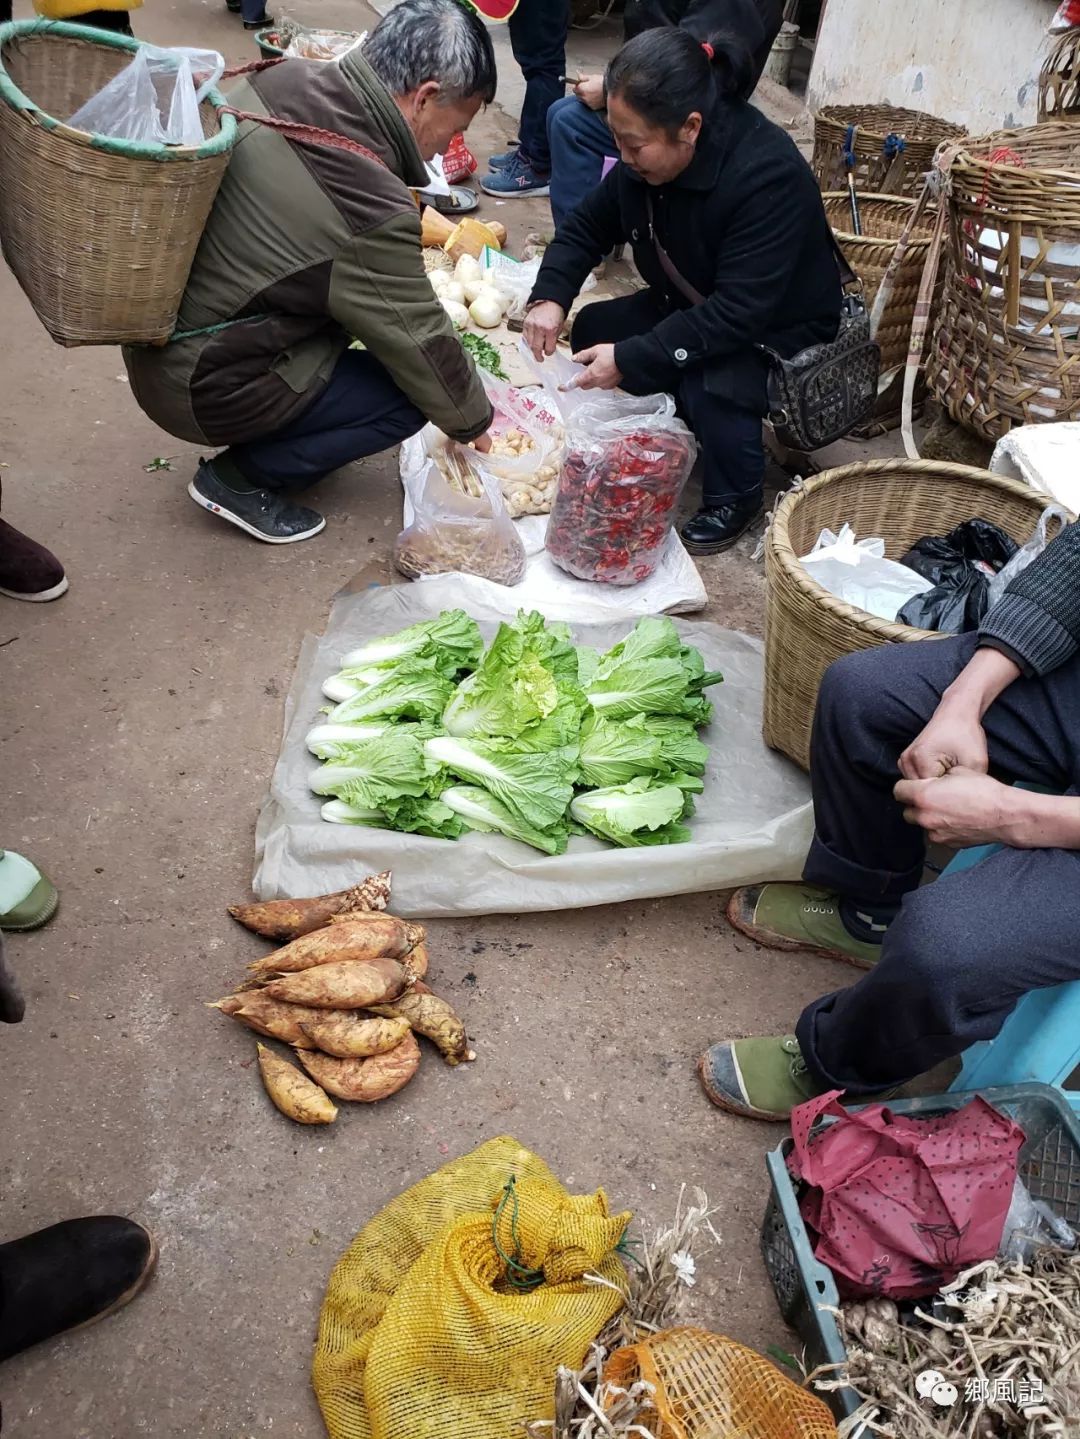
[960, 566]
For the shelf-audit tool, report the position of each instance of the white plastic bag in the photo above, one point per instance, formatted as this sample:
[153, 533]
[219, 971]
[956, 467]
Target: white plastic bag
[857, 572]
[1025, 554]
[452, 531]
[155, 99]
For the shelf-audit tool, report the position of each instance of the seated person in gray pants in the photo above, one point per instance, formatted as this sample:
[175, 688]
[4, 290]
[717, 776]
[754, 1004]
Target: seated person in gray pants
[920, 740]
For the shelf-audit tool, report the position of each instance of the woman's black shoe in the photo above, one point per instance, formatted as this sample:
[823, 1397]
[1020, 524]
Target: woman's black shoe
[711, 531]
[69, 1275]
[258, 24]
[233, 6]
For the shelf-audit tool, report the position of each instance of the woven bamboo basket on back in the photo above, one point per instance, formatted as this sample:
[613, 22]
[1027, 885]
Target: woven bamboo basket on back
[883, 218]
[1007, 345]
[1059, 79]
[806, 628]
[100, 233]
[893, 147]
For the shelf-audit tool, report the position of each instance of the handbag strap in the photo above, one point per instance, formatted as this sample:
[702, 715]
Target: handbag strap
[689, 292]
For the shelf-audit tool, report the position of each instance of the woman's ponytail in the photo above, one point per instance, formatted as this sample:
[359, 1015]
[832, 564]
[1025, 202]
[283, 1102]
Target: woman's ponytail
[666, 75]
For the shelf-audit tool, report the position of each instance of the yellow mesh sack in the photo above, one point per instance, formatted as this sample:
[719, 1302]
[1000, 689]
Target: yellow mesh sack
[422, 1333]
[709, 1387]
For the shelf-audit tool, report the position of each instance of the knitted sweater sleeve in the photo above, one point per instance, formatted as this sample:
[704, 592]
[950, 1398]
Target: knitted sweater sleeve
[1037, 622]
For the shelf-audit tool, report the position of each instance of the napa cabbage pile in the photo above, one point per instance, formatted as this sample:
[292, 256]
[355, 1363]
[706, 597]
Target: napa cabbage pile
[534, 737]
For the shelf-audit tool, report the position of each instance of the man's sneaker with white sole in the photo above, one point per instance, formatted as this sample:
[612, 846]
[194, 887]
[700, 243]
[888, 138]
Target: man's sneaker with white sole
[263, 514]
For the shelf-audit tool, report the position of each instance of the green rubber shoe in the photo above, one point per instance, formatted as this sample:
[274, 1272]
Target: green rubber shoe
[798, 916]
[27, 899]
[757, 1078]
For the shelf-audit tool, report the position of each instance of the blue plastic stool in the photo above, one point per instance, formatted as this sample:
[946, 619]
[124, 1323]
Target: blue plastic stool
[1039, 1041]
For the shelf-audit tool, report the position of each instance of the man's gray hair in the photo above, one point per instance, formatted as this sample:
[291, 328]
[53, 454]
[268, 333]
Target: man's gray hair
[440, 40]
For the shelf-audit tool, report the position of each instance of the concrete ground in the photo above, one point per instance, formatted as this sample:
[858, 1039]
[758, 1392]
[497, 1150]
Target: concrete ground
[142, 714]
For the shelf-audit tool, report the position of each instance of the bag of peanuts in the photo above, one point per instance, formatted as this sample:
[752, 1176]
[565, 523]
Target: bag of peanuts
[464, 529]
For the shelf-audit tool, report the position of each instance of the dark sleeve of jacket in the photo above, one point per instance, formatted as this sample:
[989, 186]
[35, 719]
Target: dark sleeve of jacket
[755, 23]
[1037, 622]
[760, 252]
[581, 242]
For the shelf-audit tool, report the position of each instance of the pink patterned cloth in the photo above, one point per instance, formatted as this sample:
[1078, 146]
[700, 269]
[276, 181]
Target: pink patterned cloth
[898, 1205]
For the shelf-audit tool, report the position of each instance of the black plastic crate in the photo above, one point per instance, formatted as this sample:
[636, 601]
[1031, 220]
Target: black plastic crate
[1049, 1166]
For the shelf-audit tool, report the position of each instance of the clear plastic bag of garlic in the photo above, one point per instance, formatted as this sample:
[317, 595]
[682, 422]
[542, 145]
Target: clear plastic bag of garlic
[526, 465]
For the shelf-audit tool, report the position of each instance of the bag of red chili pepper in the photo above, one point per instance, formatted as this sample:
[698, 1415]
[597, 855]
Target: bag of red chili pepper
[626, 461]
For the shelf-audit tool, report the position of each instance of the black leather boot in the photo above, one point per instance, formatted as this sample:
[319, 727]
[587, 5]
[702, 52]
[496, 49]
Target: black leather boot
[69, 1275]
[713, 530]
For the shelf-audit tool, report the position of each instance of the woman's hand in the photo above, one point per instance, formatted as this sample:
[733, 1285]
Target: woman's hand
[590, 91]
[602, 372]
[543, 325]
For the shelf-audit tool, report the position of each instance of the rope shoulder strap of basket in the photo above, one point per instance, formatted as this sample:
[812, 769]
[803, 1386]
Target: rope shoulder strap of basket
[938, 186]
[292, 130]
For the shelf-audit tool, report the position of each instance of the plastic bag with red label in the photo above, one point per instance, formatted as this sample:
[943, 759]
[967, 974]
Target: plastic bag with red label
[899, 1205]
[458, 162]
[625, 463]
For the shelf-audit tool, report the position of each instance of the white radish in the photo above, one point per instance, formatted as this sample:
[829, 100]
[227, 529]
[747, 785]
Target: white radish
[468, 268]
[459, 316]
[486, 311]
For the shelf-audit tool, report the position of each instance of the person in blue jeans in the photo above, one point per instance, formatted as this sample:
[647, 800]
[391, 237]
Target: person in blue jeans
[579, 138]
[538, 30]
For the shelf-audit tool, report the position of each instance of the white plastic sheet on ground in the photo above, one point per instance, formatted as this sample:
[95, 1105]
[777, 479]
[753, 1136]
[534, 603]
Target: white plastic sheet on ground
[753, 822]
[674, 588]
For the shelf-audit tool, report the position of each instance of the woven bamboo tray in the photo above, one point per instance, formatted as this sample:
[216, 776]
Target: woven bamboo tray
[893, 147]
[1006, 349]
[100, 233]
[806, 628]
[883, 218]
[1059, 79]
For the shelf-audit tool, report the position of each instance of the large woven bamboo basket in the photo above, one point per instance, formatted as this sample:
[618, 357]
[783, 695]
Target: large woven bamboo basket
[883, 218]
[100, 233]
[1059, 79]
[1006, 349]
[893, 147]
[806, 628]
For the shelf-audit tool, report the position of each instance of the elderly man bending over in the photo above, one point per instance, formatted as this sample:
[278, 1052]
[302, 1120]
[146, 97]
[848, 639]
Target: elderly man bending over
[309, 247]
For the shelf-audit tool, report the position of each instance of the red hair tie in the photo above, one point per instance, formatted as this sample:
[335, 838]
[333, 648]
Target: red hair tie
[709, 52]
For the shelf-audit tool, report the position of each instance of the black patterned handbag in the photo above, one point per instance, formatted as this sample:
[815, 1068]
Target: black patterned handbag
[826, 390]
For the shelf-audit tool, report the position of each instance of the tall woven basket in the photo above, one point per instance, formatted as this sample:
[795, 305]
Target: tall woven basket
[892, 147]
[1007, 345]
[806, 628]
[100, 233]
[1059, 79]
[883, 218]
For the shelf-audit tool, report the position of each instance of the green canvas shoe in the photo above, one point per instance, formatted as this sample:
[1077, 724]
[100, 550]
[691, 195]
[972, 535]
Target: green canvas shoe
[757, 1078]
[798, 916]
[27, 899]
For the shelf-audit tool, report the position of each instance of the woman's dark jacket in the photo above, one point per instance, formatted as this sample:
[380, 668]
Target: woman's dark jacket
[745, 226]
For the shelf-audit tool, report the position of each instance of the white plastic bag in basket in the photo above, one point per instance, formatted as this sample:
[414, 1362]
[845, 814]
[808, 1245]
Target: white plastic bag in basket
[155, 99]
[857, 572]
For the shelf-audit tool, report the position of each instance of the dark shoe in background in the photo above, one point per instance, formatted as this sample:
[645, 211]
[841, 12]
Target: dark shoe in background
[28, 571]
[261, 513]
[70, 1275]
[713, 530]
